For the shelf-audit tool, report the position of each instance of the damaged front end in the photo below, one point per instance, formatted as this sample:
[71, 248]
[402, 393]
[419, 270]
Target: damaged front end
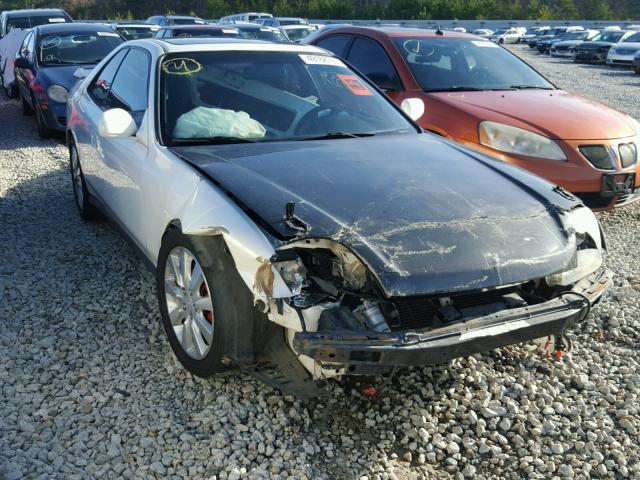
[339, 320]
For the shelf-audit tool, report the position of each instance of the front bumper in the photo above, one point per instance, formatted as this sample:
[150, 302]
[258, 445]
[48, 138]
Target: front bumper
[590, 56]
[620, 61]
[562, 53]
[55, 116]
[577, 174]
[368, 352]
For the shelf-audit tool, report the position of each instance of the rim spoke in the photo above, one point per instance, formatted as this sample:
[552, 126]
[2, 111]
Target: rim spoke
[204, 303]
[173, 291]
[197, 278]
[174, 263]
[185, 261]
[187, 337]
[176, 315]
[198, 341]
[205, 328]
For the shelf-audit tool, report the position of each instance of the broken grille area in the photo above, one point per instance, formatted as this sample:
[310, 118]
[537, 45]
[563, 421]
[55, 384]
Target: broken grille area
[428, 312]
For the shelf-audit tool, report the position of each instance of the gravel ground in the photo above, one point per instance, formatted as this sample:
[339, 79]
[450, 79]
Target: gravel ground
[89, 387]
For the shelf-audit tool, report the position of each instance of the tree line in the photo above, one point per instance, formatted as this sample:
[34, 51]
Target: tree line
[351, 9]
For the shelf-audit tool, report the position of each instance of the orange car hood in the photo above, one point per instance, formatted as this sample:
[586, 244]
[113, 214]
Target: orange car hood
[557, 114]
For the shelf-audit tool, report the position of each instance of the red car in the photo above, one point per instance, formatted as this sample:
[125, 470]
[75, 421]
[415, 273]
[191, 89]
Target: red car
[477, 93]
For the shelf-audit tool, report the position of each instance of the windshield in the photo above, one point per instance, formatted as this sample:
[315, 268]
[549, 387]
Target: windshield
[611, 37]
[186, 21]
[227, 97]
[263, 34]
[80, 48]
[293, 21]
[205, 33]
[135, 33]
[633, 38]
[34, 21]
[458, 64]
[576, 36]
[296, 34]
[502, 31]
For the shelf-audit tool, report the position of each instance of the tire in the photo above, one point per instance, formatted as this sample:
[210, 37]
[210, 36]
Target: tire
[80, 192]
[198, 314]
[44, 131]
[27, 109]
[501, 41]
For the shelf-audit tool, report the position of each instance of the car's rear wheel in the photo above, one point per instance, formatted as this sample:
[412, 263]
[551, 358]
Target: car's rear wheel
[26, 108]
[192, 297]
[80, 191]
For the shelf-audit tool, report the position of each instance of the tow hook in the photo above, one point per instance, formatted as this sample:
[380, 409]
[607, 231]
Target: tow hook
[555, 346]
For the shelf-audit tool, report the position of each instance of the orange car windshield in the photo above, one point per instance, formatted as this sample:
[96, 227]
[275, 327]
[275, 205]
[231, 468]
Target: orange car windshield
[466, 64]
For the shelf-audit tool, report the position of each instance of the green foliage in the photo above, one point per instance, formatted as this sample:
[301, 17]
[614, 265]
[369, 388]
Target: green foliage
[351, 9]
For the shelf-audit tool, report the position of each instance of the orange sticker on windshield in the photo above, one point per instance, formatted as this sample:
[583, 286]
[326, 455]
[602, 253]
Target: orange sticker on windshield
[354, 85]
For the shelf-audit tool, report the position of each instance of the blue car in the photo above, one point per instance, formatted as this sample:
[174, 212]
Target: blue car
[46, 66]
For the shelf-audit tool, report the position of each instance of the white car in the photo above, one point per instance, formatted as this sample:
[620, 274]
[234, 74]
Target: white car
[297, 33]
[483, 32]
[565, 48]
[289, 210]
[622, 53]
[507, 35]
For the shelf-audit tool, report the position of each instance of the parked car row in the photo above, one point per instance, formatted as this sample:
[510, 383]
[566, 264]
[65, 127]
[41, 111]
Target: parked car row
[612, 46]
[343, 206]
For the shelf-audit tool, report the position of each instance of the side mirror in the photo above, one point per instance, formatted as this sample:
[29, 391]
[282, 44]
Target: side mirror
[117, 123]
[22, 62]
[414, 107]
[81, 73]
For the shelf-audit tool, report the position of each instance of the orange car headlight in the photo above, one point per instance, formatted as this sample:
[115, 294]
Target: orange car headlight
[519, 141]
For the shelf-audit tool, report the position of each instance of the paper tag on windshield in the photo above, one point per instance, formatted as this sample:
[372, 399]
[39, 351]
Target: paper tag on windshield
[321, 60]
[107, 34]
[228, 30]
[484, 44]
[56, 20]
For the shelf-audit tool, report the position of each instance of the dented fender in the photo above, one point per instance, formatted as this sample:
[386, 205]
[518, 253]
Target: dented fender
[209, 212]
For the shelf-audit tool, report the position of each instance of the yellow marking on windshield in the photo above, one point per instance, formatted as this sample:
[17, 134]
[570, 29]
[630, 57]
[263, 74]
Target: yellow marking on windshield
[181, 66]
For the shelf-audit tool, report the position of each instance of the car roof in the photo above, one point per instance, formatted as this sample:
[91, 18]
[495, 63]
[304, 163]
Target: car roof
[294, 27]
[251, 26]
[398, 32]
[208, 26]
[73, 27]
[137, 25]
[181, 45]
[36, 11]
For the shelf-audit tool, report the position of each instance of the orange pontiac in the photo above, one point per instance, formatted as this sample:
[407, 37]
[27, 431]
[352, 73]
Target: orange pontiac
[472, 91]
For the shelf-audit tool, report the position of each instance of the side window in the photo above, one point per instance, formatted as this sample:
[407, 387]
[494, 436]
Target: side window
[130, 87]
[100, 86]
[370, 58]
[336, 44]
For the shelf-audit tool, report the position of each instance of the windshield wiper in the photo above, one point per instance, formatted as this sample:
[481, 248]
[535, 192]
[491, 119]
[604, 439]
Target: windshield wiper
[211, 141]
[336, 135]
[530, 87]
[458, 89]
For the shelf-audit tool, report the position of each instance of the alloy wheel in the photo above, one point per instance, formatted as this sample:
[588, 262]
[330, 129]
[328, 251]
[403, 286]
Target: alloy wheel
[189, 303]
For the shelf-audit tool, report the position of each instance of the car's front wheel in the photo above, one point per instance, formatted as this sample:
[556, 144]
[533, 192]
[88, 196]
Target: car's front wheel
[26, 108]
[44, 131]
[191, 294]
[80, 191]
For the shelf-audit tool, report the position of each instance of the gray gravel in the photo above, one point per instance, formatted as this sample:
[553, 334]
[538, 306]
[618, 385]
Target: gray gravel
[89, 387]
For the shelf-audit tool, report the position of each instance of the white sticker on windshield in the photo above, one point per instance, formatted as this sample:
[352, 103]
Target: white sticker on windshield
[57, 20]
[107, 34]
[228, 30]
[321, 60]
[483, 43]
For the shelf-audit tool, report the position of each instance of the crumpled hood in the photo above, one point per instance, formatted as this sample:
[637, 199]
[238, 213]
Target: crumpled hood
[426, 216]
[556, 114]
